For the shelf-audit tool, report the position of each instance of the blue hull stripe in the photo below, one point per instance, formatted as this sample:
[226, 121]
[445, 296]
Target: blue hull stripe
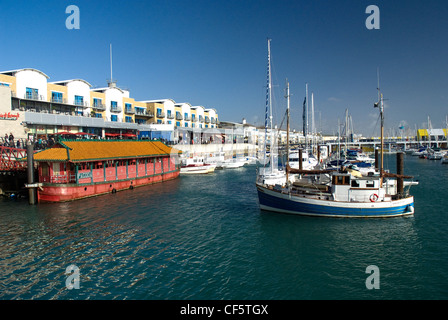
[272, 203]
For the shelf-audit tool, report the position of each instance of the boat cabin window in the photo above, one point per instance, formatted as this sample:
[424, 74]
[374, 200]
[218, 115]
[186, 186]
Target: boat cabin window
[355, 184]
[370, 184]
[341, 180]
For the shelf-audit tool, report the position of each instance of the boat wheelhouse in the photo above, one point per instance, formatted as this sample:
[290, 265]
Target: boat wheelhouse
[84, 168]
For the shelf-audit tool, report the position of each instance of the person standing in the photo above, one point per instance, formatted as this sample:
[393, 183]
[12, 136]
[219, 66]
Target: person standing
[11, 140]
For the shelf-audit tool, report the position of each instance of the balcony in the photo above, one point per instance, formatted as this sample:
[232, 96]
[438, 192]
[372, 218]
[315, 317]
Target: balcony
[129, 110]
[207, 120]
[116, 109]
[58, 100]
[82, 104]
[99, 106]
[179, 116]
[170, 116]
[194, 119]
[34, 96]
[187, 117]
[160, 114]
[143, 113]
[201, 119]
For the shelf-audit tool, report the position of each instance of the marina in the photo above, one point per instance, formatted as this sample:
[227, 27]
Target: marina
[199, 165]
[203, 242]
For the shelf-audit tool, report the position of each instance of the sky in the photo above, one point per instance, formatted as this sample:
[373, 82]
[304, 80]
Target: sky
[214, 53]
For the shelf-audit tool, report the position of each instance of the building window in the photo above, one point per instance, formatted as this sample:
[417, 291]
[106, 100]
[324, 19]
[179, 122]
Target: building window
[113, 105]
[114, 118]
[31, 93]
[98, 115]
[128, 107]
[186, 124]
[159, 121]
[56, 97]
[169, 121]
[96, 102]
[177, 124]
[79, 100]
[140, 121]
[159, 112]
[4, 84]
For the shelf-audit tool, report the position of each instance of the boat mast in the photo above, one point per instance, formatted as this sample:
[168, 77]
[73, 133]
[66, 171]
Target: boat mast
[287, 129]
[380, 104]
[268, 104]
[306, 118]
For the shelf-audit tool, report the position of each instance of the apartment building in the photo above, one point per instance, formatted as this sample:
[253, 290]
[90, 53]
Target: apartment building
[41, 107]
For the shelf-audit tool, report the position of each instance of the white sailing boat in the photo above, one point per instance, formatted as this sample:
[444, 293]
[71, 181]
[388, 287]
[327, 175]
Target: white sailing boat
[270, 174]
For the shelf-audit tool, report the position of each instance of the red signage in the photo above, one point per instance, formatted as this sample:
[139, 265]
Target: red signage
[9, 116]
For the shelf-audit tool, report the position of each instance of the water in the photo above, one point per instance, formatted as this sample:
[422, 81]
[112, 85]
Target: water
[204, 237]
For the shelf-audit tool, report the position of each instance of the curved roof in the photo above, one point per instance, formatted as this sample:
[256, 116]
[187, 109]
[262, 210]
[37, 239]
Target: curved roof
[71, 80]
[12, 72]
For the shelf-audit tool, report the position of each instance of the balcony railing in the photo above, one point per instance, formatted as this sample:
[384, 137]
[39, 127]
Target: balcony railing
[59, 100]
[144, 113]
[207, 120]
[194, 119]
[129, 110]
[201, 119]
[160, 114]
[170, 116]
[187, 117]
[83, 104]
[34, 96]
[115, 109]
[179, 116]
[99, 106]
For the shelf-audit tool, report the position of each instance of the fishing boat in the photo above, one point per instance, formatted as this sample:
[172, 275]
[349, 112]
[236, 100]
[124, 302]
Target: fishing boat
[76, 169]
[343, 195]
[196, 165]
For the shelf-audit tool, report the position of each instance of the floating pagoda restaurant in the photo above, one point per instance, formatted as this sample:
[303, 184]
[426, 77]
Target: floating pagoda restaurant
[78, 169]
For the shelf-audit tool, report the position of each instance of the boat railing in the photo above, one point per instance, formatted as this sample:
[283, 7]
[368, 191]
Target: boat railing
[63, 178]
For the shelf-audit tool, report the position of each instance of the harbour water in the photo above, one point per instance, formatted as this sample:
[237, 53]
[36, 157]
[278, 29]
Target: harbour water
[204, 237]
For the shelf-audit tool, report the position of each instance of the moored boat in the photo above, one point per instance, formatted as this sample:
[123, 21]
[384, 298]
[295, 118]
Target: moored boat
[78, 169]
[196, 165]
[345, 194]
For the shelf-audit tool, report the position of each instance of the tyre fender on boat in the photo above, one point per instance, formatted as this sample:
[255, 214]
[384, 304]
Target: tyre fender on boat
[373, 197]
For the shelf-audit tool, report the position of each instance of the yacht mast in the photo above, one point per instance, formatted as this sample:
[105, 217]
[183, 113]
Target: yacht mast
[287, 130]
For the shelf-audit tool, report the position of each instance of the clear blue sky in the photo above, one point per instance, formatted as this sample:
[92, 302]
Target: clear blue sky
[213, 53]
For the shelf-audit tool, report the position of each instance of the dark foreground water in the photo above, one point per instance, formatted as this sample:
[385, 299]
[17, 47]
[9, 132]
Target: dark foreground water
[204, 237]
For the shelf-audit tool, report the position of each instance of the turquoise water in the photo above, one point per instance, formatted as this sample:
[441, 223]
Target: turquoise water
[204, 237]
